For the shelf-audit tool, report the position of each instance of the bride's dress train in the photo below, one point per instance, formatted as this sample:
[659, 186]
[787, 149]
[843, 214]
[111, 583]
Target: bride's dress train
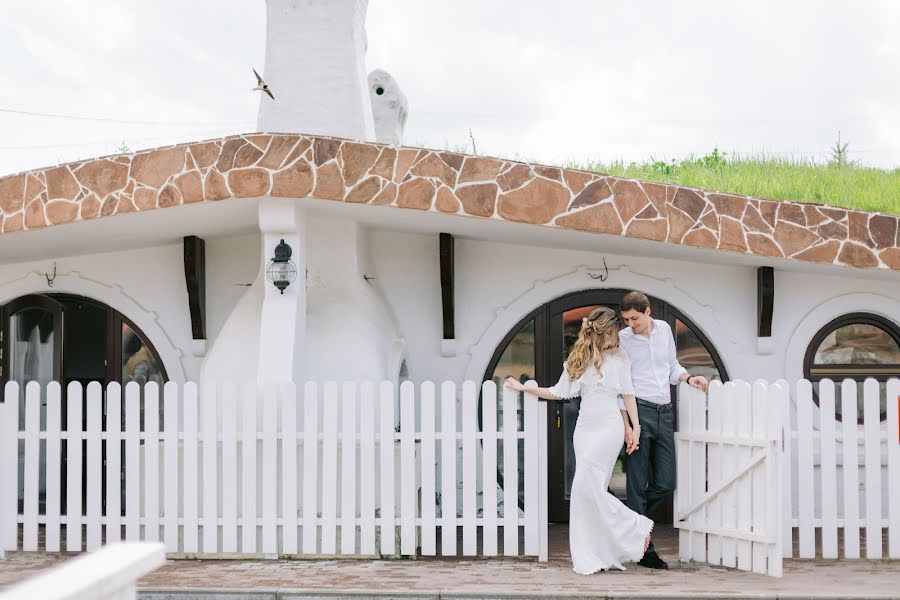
[603, 532]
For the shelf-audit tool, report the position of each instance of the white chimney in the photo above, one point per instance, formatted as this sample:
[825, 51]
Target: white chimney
[315, 67]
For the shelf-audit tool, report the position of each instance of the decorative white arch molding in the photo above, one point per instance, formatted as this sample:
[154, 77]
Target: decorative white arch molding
[113, 295]
[818, 317]
[703, 315]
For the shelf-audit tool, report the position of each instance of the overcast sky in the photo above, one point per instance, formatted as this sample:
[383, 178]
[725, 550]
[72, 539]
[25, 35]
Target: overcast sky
[547, 81]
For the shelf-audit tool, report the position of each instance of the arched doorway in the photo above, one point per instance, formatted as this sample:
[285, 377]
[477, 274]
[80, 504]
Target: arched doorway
[536, 349]
[68, 338]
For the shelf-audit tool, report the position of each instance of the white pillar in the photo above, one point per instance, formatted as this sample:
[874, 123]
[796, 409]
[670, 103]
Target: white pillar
[282, 324]
[315, 67]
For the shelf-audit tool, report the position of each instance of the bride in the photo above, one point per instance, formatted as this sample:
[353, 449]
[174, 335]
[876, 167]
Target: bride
[603, 532]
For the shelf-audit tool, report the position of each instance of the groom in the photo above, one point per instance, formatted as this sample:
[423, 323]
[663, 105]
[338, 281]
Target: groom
[654, 366]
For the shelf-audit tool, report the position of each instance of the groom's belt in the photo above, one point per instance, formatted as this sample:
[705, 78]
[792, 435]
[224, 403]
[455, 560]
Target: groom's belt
[655, 406]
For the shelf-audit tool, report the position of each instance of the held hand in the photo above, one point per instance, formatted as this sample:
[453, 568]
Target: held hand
[628, 436]
[634, 443]
[513, 384]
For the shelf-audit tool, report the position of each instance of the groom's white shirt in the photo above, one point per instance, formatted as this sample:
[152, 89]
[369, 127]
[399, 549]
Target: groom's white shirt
[654, 364]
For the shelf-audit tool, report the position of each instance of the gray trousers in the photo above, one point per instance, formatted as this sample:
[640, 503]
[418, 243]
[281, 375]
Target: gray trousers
[655, 453]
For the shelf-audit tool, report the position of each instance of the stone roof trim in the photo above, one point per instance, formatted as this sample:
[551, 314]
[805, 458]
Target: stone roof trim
[296, 166]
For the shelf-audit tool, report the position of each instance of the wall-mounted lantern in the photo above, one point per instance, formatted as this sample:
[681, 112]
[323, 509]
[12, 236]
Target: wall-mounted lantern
[281, 271]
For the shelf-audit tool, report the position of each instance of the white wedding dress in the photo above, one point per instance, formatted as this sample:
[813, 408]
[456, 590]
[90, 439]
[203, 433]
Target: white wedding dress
[603, 532]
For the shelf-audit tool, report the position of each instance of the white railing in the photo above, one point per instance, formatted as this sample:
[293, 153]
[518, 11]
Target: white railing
[823, 495]
[232, 470]
[110, 574]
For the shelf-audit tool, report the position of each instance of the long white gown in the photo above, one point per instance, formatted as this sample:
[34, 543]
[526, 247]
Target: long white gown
[603, 532]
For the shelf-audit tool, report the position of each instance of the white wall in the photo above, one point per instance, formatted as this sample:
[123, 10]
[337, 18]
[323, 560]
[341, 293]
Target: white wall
[147, 285]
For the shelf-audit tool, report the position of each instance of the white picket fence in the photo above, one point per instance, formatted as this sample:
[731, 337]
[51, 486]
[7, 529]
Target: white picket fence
[231, 470]
[822, 496]
[730, 470]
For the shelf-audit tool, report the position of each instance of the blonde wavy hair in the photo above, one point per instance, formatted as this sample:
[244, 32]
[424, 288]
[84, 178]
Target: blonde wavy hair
[599, 334]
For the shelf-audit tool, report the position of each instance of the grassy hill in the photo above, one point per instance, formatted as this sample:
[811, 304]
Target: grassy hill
[837, 184]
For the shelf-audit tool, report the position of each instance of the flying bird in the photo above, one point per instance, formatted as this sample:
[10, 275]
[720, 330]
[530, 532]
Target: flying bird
[262, 86]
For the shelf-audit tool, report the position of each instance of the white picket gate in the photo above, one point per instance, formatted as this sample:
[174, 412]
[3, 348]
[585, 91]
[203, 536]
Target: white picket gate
[231, 470]
[821, 493]
[730, 470]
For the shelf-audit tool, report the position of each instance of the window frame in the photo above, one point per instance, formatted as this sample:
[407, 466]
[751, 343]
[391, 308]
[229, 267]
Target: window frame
[892, 370]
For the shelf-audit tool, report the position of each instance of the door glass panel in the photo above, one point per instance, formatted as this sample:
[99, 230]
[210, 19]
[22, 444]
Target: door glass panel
[138, 362]
[693, 354]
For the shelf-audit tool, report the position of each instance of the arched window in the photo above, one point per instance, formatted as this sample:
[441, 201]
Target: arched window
[855, 346]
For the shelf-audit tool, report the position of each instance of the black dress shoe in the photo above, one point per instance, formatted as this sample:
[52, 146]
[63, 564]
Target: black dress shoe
[652, 560]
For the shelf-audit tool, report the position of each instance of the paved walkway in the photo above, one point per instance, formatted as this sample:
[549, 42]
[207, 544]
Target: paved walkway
[483, 578]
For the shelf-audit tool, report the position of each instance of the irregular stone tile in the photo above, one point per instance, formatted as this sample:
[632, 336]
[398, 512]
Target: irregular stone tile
[655, 229]
[214, 187]
[629, 199]
[824, 253]
[387, 195]
[813, 216]
[679, 225]
[189, 163]
[549, 172]
[249, 183]
[537, 202]
[61, 211]
[329, 185]
[478, 168]
[702, 238]
[12, 194]
[229, 151]
[104, 177]
[34, 187]
[599, 219]
[576, 180]
[515, 177]
[731, 234]
[357, 159]
[710, 220]
[158, 166]
[769, 211]
[728, 204]
[145, 198]
[405, 158]
[303, 148]
[61, 184]
[832, 230]
[125, 160]
[453, 160]
[753, 221]
[433, 166]
[260, 141]
[384, 166]
[835, 214]
[14, 223]
[416, 193]
[478, 199]
[365, 191]
[277, 151]
[129, 188]
[446, 202]
[294, 182]
[763, 245]
[856, 255]
[793, 238]
[324, 150]
[659, 195]
[247, 156]
[191, 187]
[90, 207]
[34, 215]
[125, 205]
[792, 212]
[204, 154]
[859, 228]
[594, 193]
[883, 230]
[649, 212]
[891, 258]
[689, 202]
[168, 196]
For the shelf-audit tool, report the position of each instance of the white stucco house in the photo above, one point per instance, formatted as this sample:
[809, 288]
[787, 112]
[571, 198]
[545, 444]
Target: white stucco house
[412, 263]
